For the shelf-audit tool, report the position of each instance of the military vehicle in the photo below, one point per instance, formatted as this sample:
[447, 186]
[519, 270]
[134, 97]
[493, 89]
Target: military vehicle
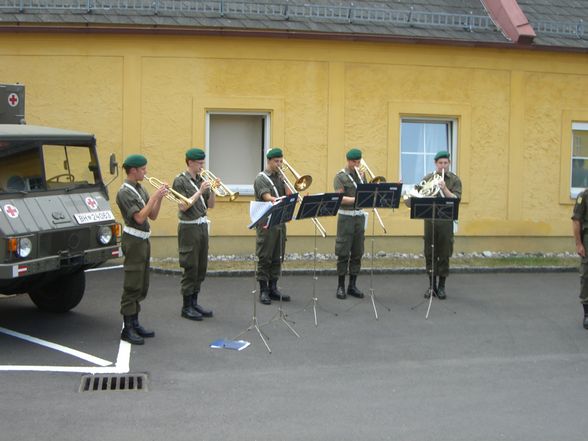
[55, 218]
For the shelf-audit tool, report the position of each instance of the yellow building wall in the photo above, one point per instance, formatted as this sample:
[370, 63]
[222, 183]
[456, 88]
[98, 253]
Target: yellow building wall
[150, 94]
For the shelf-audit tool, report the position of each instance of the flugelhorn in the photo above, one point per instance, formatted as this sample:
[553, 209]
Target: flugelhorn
[363, 168]
[301, 184]
[218, 187]
[171, 194]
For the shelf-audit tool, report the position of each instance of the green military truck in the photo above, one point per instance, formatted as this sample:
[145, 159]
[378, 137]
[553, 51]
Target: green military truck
[55, 218]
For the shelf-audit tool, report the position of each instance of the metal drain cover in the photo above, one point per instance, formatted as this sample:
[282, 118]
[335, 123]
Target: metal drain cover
[112, 382]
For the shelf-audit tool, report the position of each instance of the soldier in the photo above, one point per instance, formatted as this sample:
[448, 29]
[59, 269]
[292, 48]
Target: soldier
[450, 188]
[270, 242]
[193, 232]
[136, 208]
[350, 226]
[580, 228]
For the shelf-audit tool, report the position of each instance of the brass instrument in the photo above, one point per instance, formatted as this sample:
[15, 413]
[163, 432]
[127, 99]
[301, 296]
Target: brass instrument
[426, 189]
[171, 194]
[301, 184]
[219, 188]
[363, 168]
[373, 179]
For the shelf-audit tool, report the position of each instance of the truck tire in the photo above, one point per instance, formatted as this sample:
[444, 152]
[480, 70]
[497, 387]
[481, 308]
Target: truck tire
[62, 294]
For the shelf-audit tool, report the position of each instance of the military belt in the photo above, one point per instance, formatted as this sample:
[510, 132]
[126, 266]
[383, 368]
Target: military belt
[137, 233]
[200, 220]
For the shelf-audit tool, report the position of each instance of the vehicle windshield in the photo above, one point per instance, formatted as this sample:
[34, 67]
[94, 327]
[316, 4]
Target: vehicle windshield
[48, 168]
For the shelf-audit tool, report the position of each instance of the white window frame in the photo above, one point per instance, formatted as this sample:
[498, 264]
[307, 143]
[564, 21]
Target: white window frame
[245, 189]
[577, 126]
[453, 143]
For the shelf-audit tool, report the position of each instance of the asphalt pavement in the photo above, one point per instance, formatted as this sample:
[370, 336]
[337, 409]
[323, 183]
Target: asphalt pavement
[503, 358]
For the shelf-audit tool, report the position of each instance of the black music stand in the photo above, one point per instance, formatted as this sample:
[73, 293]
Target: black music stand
[312, 206]
[281, 213]
[381, 195]
[434, 209]
[272, 217]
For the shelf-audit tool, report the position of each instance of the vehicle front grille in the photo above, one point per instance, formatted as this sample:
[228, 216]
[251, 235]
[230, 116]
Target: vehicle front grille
[64, 241]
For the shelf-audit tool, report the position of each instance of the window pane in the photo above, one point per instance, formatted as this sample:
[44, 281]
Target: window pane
[236, 147]
[436, 137]
[413, 167]
[420, 141]
[580, 142]
[412, 137]
[579, 173]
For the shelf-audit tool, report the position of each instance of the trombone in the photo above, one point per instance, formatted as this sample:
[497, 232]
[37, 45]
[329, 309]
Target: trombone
[301, 184]
[219, 188]
[373, 179]
[171, 194]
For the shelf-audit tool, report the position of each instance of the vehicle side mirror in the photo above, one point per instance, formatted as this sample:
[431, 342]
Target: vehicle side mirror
[113, 164]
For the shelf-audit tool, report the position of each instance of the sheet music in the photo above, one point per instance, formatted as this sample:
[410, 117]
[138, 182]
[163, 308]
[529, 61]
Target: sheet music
[257, 209]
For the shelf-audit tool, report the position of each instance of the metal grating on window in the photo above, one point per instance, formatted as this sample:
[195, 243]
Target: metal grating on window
[118, 382]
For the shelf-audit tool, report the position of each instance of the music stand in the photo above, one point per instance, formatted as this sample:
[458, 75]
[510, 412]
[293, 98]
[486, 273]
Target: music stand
[434, 209]
[281, 213]
[380, 195]
[269, 218]
[312, 206]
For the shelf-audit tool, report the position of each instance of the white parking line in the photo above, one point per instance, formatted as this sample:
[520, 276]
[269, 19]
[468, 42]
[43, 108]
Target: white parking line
[122, 360]
[104, 268]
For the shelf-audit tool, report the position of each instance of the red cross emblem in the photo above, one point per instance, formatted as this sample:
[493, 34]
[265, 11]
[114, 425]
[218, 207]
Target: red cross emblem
[13, 100]
[91, 203]
[11, 211]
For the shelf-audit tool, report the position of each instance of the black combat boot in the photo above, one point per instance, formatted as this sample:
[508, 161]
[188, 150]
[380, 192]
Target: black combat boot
[264, 293]
[352, 289]
[147, 333]
[129, 333]
[585, 316]
[188, 311]
[432, 288]
[202, 310]
[341, 288]
[275, 293]
[441, 289]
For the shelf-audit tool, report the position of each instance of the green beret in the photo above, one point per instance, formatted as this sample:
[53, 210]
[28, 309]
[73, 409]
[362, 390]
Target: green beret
[135, 161]
[353, 154]
[442, 154]
[195, 154]
[274, 153]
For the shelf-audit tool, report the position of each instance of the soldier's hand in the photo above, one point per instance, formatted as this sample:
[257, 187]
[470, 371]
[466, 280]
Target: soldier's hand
[204, 186]
[581, 250]
[162, 191]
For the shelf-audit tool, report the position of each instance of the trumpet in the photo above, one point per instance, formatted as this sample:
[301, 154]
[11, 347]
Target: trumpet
[364, 169]
[171, 194]
[301, 184]
[219, 188]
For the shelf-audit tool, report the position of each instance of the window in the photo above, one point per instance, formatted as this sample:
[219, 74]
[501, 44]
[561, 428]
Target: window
[420, 140]
[579, 165]
[236, 144]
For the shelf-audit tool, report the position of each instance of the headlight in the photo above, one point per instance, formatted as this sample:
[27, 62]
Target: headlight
[104, 235]
[25, 246]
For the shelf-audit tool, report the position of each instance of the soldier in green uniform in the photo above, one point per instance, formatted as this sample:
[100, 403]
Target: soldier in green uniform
[443, 247]
[270, 242]
[580, 228]
[193, 232]
[136, 208]
[351, 222]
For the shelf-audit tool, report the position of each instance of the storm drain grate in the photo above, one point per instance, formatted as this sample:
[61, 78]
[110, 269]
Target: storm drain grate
[121, 382]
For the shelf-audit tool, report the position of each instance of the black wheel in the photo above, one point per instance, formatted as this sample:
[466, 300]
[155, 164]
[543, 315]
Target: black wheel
[62, 294]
